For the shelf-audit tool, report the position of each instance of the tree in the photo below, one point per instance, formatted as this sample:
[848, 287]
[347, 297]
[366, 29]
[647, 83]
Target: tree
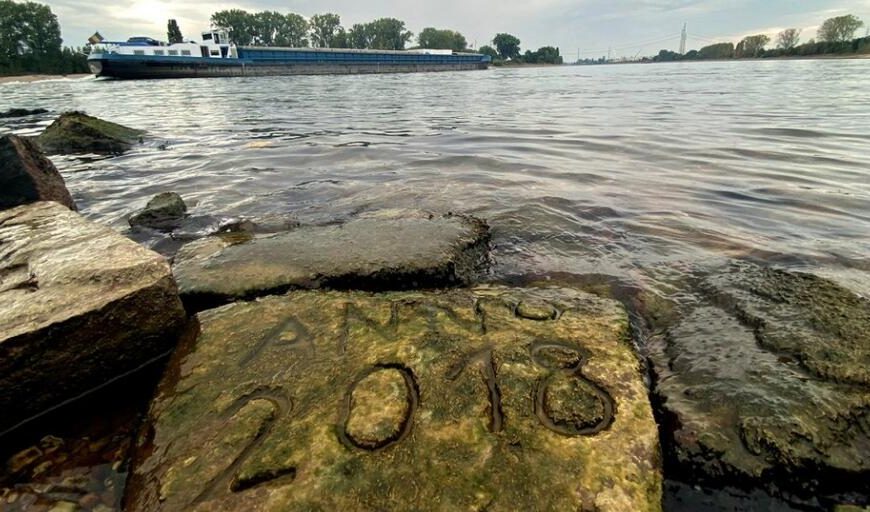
[544, 55]
[326, 31]
[388, 34]
[173, 33]
[237, 22]
[359, 36]
[788, 38]
[435, 38]
[265, 28]
[717, 51]
[751, 46]
[839, 29]
[488, 50]
[667, 56]
[29, 38]
[508, 46]
[291, 30]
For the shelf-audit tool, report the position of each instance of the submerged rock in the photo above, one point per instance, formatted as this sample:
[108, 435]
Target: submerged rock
[77, 132]
[79, 304]
[27, 176]
[22, 112]
[404, 400]
[768, 379]
[368, 253]
[165, 211]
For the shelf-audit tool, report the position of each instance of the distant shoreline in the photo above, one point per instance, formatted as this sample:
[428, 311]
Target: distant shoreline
[862, 56]
[38, 78]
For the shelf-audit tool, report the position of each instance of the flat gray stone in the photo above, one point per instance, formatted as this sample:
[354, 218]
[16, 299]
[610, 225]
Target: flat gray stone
[367, 253]
[79, 304]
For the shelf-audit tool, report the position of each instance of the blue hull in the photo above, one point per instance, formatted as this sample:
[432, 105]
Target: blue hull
[265, 61]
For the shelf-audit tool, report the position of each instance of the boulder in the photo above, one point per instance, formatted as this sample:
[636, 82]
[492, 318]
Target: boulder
[767, 378]
[451, 400]
[366, 253]
[22, 112]
[77, 132]
[79, 305]
[27, 176]
[164, 211]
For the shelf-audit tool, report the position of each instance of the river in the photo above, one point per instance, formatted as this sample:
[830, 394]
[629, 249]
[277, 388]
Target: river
[636, 172]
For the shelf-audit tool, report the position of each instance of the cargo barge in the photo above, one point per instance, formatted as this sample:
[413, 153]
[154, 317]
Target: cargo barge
[142, 57]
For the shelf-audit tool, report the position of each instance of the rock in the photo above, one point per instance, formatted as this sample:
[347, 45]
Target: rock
[403, 400]
[369, 253]
[165, 211]
[768, 378]
[77, 132]
[79, 304]
[22, 112]
[27, 176]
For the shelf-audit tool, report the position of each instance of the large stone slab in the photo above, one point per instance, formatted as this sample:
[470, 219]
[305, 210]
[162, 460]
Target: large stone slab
[27, 176]
[77, 132]
[79, 304]
[484, 399]
[367, 253]
[767, 378]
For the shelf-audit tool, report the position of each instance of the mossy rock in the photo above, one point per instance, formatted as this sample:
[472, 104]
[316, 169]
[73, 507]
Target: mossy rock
[403, 401]
[766, 378]
[77, 132]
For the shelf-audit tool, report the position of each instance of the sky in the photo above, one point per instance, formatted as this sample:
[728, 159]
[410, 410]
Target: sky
[590, 27]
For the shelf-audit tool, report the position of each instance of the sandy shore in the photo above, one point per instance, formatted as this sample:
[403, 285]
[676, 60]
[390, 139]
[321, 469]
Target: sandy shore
[38, 78]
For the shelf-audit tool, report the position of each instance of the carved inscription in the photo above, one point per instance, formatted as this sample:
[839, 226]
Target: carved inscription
[229, 478]
[368, 359]
[379, 408]
[566, 401]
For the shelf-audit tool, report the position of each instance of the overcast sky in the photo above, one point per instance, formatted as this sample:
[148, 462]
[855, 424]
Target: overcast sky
[592, 26]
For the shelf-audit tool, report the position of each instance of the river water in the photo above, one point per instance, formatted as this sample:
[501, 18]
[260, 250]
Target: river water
[638, 172]
[633, 171]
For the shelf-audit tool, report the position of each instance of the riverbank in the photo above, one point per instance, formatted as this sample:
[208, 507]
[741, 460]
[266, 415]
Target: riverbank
[40, 78]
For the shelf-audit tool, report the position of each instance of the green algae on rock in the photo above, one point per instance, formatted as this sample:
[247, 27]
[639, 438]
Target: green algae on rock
[79, 305]
[164, 211]
[365, 253]
[77, 132]
[403, 400]
[767, 379]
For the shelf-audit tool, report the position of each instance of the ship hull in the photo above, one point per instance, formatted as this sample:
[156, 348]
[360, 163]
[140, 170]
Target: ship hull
[137, 67]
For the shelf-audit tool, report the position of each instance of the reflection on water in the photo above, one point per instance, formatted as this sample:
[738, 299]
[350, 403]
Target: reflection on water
[646, 173]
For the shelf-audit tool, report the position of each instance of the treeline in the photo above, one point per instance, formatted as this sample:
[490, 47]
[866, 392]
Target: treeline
[507, 49]
[836, 37]
[271, 28]
[30, 42]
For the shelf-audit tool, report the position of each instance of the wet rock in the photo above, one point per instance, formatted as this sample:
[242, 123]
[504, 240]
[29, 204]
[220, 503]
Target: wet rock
[394, 253]
[767, 379]
[403, 400]
[79, 304]
[27, 176]
[164, 211]
[77, 132]
[22, 112]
